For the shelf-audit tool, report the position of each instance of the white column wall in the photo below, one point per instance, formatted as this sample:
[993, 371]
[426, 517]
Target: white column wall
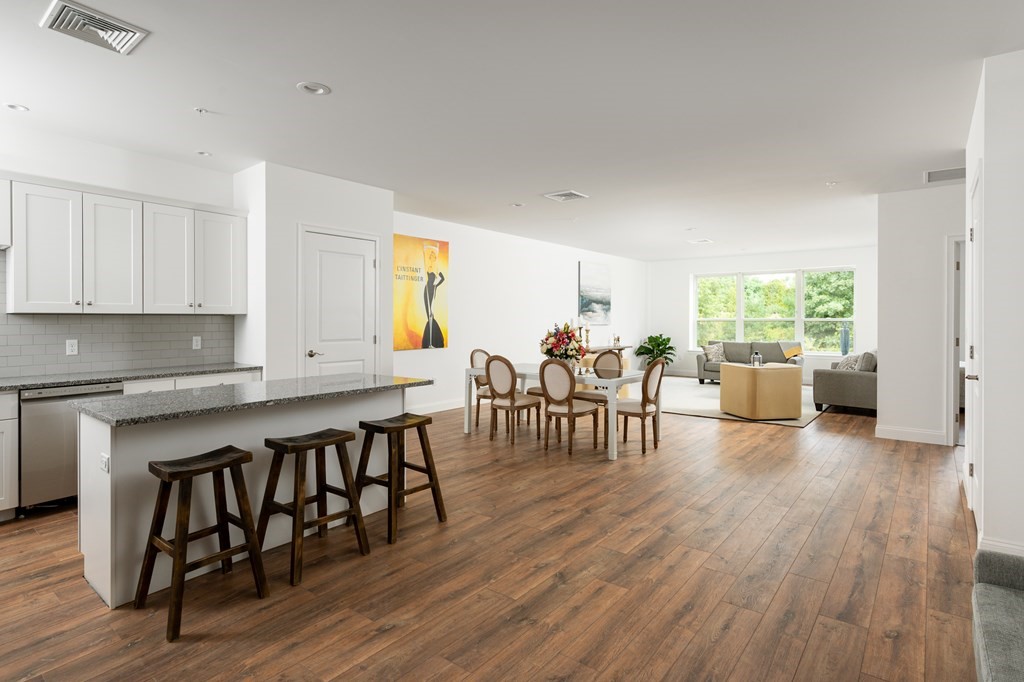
[293, 198]
[913, 332]
[672, 297]
[503, 293]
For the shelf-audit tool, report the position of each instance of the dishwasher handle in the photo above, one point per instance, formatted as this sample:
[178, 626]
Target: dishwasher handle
[72, 391]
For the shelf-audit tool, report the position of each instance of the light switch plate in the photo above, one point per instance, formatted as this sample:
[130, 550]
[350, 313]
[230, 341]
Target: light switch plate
[105, 462]
[197, 343]
[71, 346]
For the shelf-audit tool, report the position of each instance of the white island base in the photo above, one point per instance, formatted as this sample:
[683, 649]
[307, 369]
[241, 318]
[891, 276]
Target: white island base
[116, 508]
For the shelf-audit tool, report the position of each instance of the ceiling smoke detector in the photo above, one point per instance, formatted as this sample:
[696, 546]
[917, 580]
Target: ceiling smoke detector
[91, 26]
[945, 175]
[566, 195]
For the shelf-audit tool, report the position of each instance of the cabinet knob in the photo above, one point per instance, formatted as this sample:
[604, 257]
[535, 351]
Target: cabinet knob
[88, 302]
[200, 305]
[190, 305]
[78, 303]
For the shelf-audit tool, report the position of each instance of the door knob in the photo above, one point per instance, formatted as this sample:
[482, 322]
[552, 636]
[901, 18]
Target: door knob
[312, 353]
[971, 377]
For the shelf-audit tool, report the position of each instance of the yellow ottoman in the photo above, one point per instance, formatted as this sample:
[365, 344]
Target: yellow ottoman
[769, 392]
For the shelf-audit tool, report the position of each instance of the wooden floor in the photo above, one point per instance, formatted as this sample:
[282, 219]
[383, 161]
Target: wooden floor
[735, 551]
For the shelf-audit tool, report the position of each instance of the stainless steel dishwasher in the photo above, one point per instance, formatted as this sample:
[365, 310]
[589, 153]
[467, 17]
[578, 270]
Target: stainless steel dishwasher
[49, 440]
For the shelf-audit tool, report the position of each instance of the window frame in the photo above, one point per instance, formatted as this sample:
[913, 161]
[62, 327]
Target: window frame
[798, 321]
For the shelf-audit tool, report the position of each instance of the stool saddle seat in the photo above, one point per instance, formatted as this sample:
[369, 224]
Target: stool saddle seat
[309, 441]
[188, 467]
[402, 422]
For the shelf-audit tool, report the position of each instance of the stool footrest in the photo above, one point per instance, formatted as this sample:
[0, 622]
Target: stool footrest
[312, 523]
[415, 489]
[417, 467]
[378, 480]
[340, 492]
[216, 556]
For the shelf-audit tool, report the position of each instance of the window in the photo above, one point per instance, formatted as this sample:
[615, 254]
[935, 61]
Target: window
[716, 309]
[828, 307]
[814, 306]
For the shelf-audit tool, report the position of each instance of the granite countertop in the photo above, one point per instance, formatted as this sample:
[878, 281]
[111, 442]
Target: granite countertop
[145, 408]
[102, 377]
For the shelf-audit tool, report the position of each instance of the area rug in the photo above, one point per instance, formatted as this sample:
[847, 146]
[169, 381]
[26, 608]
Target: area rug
[685, 395]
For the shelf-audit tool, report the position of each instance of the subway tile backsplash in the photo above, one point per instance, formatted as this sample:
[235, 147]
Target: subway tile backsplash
[35, 344]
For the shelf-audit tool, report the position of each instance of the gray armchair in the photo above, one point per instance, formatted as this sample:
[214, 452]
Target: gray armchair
[998, 616]
[845, 388]
[740, 351]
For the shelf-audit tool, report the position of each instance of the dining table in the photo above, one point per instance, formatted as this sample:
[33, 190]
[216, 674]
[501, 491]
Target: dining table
[608, 384]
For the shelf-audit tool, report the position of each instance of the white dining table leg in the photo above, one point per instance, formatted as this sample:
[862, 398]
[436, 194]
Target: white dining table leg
[611, 414]
[468, 411]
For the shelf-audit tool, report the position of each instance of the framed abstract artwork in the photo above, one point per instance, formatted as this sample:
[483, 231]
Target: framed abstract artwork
[595, 293]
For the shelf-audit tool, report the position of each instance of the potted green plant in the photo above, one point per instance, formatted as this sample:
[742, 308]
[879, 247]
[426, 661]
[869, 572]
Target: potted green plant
[656, 346]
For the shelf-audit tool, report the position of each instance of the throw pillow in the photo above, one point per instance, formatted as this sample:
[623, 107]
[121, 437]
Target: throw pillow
[714, 353]
[793, 351]
[849, 362]
[867, 363]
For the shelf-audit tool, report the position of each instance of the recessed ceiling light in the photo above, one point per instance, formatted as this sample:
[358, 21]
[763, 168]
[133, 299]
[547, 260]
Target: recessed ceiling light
[200, 110]
[17, 107]
[700, 241]
[203, 153]
[691, 229]
[830, 183]
[517, 205]
[313, 88]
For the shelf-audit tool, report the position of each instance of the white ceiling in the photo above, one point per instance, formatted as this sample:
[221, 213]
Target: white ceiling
[682, 119]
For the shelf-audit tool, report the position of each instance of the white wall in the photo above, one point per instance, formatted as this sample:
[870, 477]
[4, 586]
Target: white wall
[996, 143]
[913, 330]
[672, 297]
[290, 199]
[504, 292]
[28, 151]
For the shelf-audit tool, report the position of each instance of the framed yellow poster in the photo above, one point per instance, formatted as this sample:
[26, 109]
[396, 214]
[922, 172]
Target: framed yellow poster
[420, 293]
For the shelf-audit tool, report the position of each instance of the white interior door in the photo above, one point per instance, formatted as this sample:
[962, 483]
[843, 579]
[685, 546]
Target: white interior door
[339, 304]
[974, 407]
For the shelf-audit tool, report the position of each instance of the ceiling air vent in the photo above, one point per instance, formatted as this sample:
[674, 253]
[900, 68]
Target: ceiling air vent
[945, 175]
[91, 26]
[566, 195]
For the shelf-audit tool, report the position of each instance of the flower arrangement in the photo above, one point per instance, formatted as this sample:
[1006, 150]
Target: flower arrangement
[563, 342]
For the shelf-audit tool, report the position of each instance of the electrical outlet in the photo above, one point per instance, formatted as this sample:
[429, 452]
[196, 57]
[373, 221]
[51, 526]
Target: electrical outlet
[197, 343]
[71, 346]
[105, 462]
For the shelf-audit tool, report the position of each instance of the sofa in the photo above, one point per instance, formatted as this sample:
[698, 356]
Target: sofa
[998, 616]
[856, 387]
[740, 351]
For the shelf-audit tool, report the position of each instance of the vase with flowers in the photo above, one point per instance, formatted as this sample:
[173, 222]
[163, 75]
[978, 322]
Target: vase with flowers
[564, 343]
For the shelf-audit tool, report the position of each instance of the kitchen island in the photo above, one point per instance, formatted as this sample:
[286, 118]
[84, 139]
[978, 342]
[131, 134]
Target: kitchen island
[119, 436]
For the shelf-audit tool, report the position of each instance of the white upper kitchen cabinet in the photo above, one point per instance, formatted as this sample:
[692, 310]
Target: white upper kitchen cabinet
[5, 213]
[220, 263]
[44, 265]
[112, 247]
[168, 248]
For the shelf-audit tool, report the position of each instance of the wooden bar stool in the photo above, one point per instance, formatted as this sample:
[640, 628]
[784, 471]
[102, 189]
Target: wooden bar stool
[299, 446]
[394, 479]
[183, 471]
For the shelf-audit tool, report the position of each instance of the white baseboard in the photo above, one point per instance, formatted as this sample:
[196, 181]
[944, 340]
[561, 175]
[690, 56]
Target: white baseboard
[439, 406]
[1002, 546]
[914, 435]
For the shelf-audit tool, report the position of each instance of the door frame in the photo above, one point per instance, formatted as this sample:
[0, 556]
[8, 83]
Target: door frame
[952, 381]
[974, 442]
[300, 303]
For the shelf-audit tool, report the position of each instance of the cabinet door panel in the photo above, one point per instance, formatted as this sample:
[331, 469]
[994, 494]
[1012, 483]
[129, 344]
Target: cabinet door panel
[168, 259]
[220, 264]
[112, 248]
[8, 464]
[45, 262]
[5, 213]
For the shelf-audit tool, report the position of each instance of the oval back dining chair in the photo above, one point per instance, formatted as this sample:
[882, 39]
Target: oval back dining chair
[607, 365]
[478, 360]
[501, 377]
[559, 385]
[647, 405]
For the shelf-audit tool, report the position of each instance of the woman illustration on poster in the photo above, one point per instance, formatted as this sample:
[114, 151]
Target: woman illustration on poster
[432, 336]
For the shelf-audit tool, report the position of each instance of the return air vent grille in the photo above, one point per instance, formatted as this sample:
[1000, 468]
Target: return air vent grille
[566, 195]
[945, 175]
[91, 26]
